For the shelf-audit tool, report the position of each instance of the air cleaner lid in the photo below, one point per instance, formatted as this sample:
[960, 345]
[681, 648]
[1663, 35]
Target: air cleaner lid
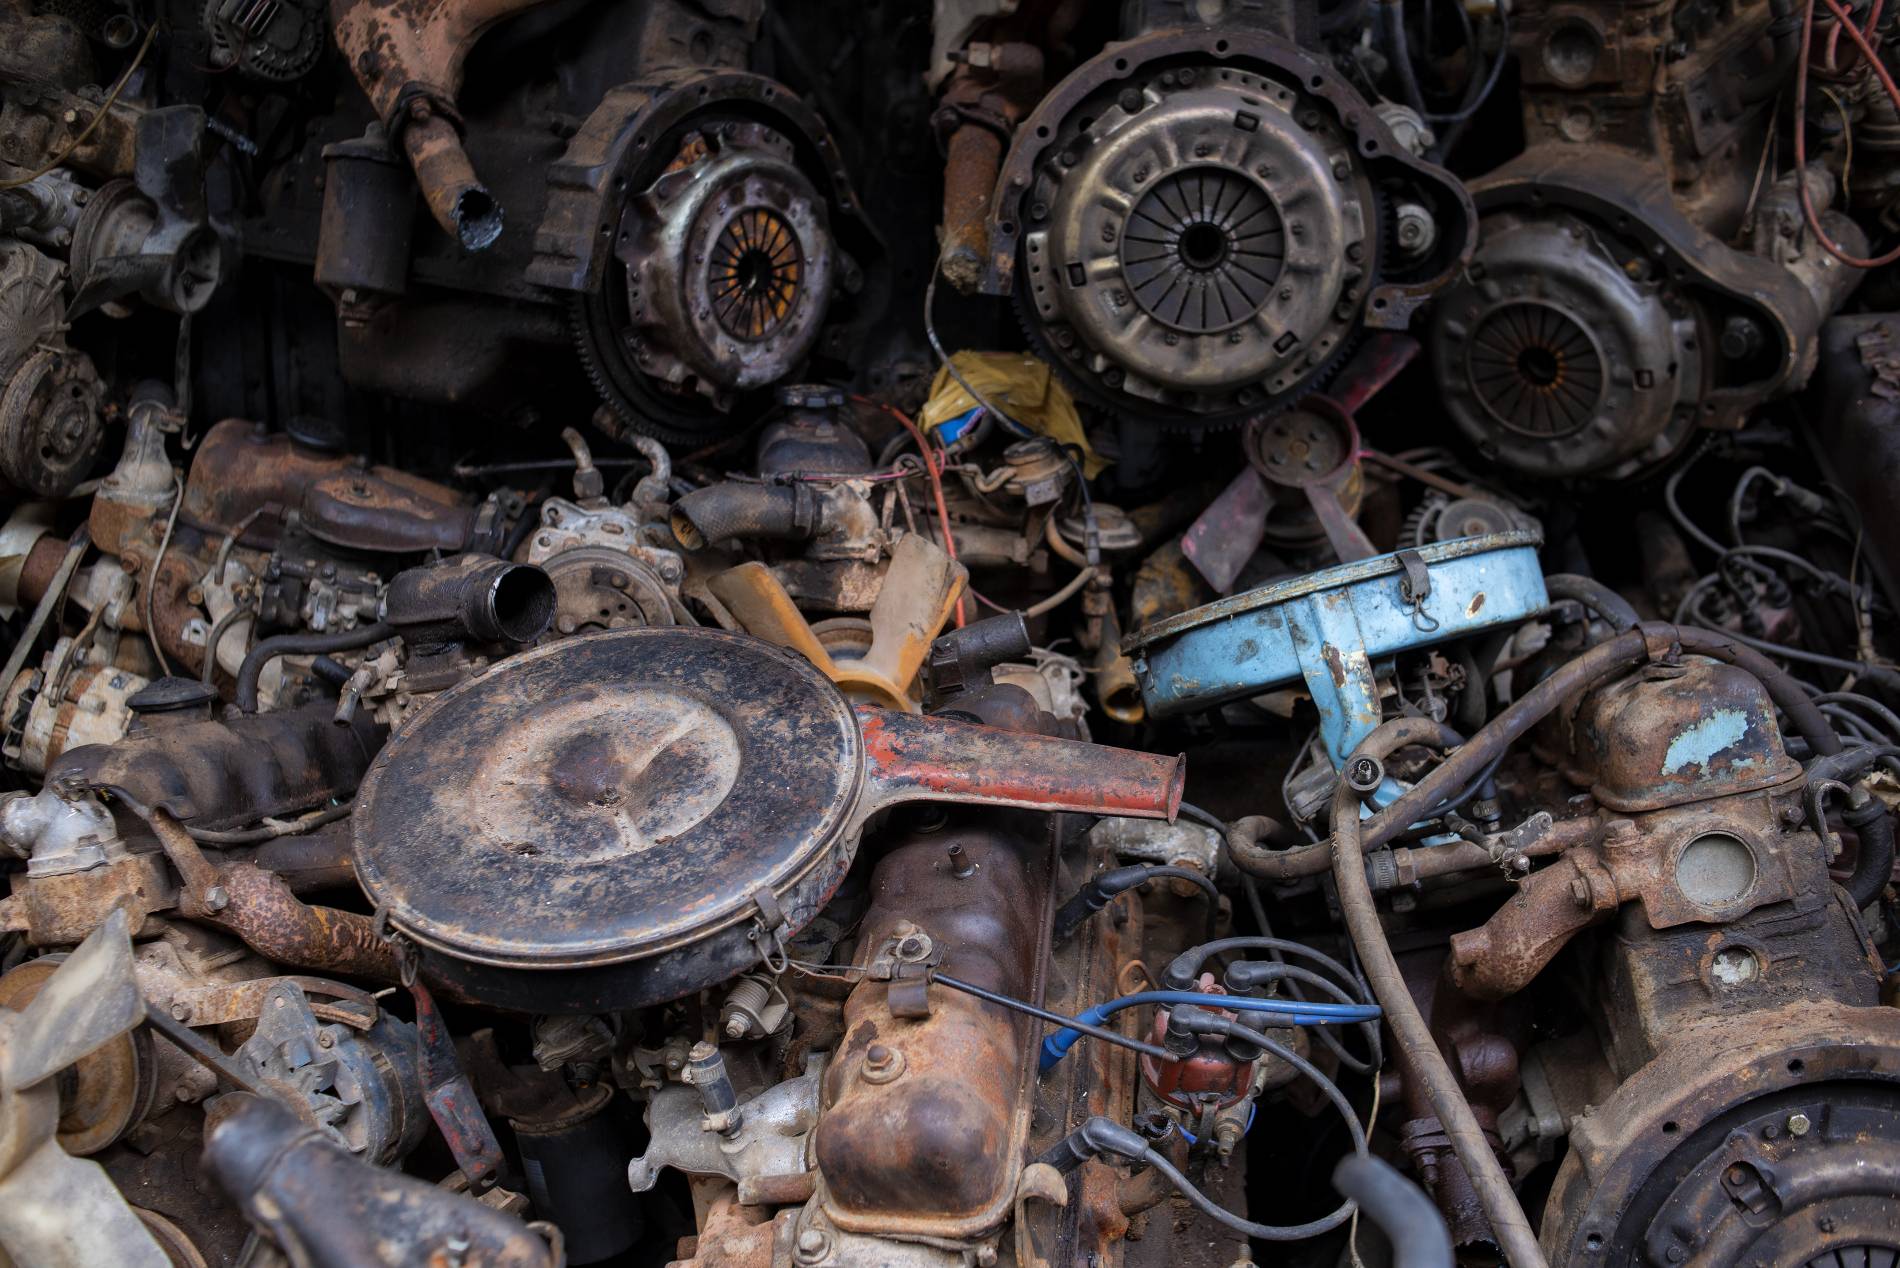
[1325, 626]
[607, 798]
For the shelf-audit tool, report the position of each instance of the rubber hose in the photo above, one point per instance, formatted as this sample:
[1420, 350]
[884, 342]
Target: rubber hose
[1392, 26]
[1873, 867]
[1595, 596]
[1422, 1057]
[1400, 1209]
[1785, 31]
[1248, 846]
[300, 645]
[736, 509]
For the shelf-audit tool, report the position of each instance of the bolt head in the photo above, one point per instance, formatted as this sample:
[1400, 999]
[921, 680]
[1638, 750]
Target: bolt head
[1798, 1124]
[216, 899]
[812, 1246]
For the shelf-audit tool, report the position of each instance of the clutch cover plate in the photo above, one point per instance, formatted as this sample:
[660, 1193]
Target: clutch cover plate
[611, 798]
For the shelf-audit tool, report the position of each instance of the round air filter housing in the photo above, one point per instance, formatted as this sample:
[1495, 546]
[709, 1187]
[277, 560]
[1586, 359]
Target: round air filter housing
[609, 821]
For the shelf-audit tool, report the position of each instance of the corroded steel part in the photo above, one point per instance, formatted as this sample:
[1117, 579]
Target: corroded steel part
[925, 1117]
[408, 58]
[937, 759]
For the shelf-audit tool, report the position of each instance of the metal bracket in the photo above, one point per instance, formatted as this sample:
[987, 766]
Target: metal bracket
[1415, 586]
[768, 931]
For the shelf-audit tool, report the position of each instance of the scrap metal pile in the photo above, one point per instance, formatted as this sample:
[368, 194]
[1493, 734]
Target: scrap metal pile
[949, 634]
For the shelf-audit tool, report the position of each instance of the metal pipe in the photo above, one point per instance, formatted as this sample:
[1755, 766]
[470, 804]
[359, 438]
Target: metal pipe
[275, 923]
[920, 758]
[408, 59]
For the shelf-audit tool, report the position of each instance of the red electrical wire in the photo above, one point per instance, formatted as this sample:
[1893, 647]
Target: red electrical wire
[1866, 48]
[936, 481]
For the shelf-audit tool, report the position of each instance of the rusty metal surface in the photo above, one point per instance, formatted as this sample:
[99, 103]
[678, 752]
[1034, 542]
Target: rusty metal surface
[614, 798]
[912, 758]
[979, 108]
[273, 921]
[105, 1092]
[246, 478]
[1710, 862]
[925, 1117]
[1654, 1127]
[1238, 48]
[451, 1097]
[1675, 733]
[226, 774]
[408, 58]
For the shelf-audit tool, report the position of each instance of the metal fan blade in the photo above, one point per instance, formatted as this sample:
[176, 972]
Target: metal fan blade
[93, 998]
[759, 603]
[920, 591]
[57, 1211]
[1224, 538]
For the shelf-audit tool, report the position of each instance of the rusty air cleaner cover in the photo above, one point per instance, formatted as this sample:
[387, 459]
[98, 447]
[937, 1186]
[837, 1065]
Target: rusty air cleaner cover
[594, 824]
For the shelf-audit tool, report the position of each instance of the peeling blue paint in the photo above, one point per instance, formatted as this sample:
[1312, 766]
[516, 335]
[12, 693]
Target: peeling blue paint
[1698, 745]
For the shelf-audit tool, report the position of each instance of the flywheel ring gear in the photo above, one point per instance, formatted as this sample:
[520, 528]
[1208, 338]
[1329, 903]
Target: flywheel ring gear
[722, 273]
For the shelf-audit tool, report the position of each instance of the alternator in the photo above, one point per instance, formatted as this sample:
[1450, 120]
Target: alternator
[1202, 226]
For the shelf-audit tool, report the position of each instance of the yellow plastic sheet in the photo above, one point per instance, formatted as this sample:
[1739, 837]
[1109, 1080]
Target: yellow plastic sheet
[1019, 385]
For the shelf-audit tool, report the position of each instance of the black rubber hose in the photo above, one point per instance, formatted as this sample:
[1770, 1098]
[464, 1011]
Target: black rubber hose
[1785, 31]
[1614, 655]
[1594, 595]
[1425, 1065]
[738, 509]
[1392, 28]
[1400, 1209]
[1873, 868]
[300, 645]
[1103, 889]
[331, 670]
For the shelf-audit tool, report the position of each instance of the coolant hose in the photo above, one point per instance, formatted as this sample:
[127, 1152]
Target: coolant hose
[1400, 1209]
[300, 645]
[1873, 866]
[742, 510]
[1423, 1060]
[1593, 595]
